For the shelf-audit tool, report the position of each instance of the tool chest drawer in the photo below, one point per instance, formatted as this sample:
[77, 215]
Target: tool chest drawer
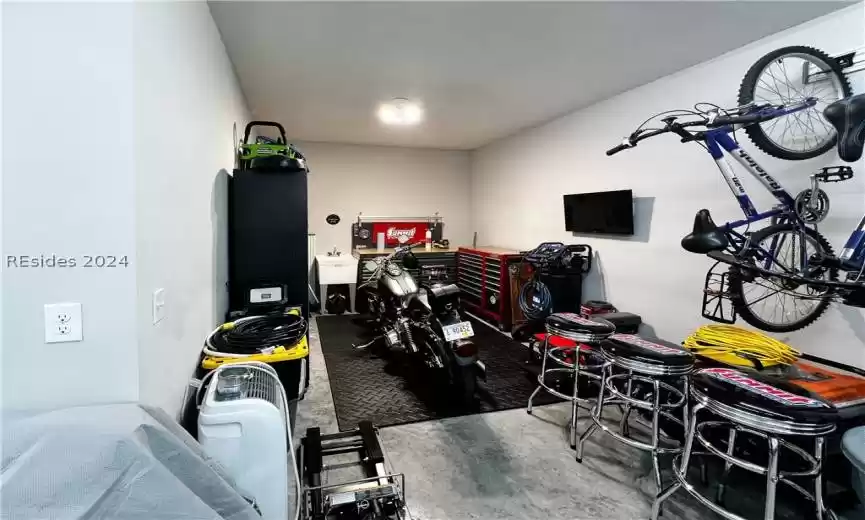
[483, 278]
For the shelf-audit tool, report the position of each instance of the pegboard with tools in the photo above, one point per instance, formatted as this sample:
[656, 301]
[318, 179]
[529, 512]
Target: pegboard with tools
[365, 230]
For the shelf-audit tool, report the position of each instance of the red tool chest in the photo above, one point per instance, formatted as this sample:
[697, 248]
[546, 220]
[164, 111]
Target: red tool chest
[485, 282]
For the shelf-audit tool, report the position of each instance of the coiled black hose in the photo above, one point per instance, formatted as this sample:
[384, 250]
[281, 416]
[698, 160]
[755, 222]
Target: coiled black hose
[255, 335]
[536, 302]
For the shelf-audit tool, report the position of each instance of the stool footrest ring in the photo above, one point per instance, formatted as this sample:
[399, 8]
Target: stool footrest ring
[682, 481]
[629, 441]
[814, 465]
[558, 394]
[639, 403]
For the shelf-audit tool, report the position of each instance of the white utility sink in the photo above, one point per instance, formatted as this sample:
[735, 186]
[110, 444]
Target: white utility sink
[336, 270]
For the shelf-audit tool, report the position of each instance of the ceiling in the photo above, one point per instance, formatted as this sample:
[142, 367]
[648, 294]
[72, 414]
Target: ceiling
[482, 70]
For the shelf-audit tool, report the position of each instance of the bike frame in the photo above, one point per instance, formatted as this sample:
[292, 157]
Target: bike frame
[719, 141]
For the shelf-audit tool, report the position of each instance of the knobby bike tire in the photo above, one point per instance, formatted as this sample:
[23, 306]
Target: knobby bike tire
[746, 95]
[737, 288]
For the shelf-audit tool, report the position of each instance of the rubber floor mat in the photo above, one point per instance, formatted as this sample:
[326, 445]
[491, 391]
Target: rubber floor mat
[389, 388]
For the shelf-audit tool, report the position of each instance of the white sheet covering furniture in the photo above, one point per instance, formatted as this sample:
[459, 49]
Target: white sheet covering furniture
[117, 462]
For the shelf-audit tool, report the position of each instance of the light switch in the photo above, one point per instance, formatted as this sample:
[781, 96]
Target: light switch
[63, 323]
[158, 305]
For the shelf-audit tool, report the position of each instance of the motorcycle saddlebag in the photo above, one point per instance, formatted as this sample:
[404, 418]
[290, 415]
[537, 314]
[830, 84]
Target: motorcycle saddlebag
[441, 293]
[440, 290]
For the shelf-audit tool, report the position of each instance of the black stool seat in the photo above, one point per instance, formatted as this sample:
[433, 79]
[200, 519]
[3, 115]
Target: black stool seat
[654, 350]
[573, 323]
[776, 402]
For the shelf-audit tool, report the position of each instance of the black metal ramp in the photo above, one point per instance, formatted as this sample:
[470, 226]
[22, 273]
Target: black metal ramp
[389, 388]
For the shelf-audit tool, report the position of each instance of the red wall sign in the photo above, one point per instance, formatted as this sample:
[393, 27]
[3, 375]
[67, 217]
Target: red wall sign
[412, 231]
[365, 235]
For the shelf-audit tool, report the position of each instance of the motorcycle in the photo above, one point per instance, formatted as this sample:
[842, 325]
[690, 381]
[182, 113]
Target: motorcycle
[424, 320]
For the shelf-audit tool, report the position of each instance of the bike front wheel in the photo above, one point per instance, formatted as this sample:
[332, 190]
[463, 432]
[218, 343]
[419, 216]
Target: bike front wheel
[781, 304]
[788, 76]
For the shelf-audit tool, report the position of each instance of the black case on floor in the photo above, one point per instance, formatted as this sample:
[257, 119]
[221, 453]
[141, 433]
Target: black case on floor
[267, 235]
[625, 322]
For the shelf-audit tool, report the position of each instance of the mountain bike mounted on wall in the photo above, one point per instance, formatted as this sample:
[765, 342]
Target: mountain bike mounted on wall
[795, 104]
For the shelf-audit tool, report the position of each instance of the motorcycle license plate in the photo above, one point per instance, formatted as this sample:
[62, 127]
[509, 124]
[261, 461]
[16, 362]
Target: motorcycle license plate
[460, 330]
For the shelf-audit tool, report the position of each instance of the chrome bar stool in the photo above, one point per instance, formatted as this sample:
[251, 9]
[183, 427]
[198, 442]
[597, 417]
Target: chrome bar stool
[632, 361]
[751, 407]
[587, 334]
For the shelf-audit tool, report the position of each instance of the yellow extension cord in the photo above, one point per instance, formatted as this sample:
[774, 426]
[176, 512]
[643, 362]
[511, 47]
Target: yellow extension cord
[739, 347]
[281, 353]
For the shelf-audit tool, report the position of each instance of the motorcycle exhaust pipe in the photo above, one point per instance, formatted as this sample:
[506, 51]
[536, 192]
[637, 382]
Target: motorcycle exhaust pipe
[481, 368]
[367, 344]
[466, 353]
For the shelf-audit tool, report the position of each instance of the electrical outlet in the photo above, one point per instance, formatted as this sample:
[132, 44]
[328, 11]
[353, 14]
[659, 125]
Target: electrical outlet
[63, 322]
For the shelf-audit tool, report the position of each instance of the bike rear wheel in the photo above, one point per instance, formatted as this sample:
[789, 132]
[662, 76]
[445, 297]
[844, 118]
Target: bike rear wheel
[777, 304]
[787, 76]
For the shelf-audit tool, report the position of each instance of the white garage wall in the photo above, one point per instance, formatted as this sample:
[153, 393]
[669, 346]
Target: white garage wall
[186, 100]
[385, 181]
[68, 191]
[518, 183]
[120, 147]
[2, 271]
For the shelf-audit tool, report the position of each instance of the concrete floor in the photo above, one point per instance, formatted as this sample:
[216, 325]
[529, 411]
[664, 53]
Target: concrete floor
[506, 465]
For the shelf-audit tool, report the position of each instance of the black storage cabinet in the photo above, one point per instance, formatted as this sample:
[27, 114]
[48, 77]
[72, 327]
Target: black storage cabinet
[267, 235]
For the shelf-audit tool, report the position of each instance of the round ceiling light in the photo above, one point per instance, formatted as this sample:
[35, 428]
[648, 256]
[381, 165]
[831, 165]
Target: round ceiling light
[401, 112]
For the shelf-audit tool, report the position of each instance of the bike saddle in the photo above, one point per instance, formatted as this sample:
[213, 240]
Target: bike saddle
[706, 236]
[848, 117]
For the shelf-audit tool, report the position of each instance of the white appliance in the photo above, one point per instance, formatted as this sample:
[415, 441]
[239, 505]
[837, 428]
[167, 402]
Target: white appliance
[243, 424]
[336, 269]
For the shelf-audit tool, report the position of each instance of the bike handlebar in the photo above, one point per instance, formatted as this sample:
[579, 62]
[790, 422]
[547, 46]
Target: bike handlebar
[746, 115]
[616, 149]
[632, 140]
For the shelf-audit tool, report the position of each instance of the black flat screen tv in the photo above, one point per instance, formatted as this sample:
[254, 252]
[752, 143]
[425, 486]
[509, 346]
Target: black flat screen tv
[605, 212]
